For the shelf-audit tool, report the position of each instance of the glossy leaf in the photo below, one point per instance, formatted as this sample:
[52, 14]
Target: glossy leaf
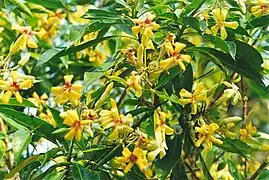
[20, 141]
[81, 173]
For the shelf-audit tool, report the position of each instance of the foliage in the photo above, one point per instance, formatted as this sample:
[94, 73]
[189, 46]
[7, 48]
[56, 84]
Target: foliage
[134, 89]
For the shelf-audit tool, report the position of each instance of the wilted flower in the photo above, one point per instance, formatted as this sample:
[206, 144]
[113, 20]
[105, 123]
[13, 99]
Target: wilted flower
[13, 87]
[134, 82]
[219, 16]
[248, 132]
[232, 93]
[67, 92]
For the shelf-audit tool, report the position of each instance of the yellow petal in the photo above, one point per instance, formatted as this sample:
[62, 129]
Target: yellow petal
[199, 141]
[223, 33]
[232, 25]
[78, 134]
[77, 87]
[70, 135]
[14, 76]
[179, 47]
[185, 94]
[73, 114]
[68, 78]
[31, 43]
[73, 95]
[126, 152]
[6, 97]
[136, 30]
[56, 90]
[215, 29]
[26, 84]
[18, 97]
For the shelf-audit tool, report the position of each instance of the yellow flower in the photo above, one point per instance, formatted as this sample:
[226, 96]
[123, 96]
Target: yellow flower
[206, 133]
[76, 17]
[159, 124]
[25, 39]
[138, 157]
[232, 93]
[175, 57]
[225, 174]
[134, 82]
[130, 54]
[143, 140]
[145, 26]
[48, 117]
[219, 15]
[55, 17]
[199, 94]
[97, 57]
[121, 124]
[261, 7]
[72, 119]
[39, 101]
[248, 131]
[68, 92]
[13, 86]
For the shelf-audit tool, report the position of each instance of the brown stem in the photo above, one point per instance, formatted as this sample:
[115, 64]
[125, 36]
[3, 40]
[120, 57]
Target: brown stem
[244, 100]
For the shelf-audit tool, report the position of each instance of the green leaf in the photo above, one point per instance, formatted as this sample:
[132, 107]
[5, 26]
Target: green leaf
[262, 21]
[20, 141]
[235, 146]
[172, 161]
[264, 175]
[55, 175]
[2, 148]
[247, 54]
[76, 32]
[50, 4]
[22, 6]
[165, 78]
[195, 4]
[205, 169]
[47, 55]
[61, 130]
[12, 123]
[90, 77]
[232, 48]
[165, 96]
[56, 53]
[38, 126]
[23, 164]
[81, 173]
[240, 65]
[233, 170]
[14, 102]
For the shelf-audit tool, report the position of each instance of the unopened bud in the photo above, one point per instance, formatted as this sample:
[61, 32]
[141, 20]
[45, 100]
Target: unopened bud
[24, 60]
[104, 95]
[140, 54]
[231, 120]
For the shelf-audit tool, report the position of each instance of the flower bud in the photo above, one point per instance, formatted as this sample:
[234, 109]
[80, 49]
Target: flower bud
[104, 95]
[24, 60]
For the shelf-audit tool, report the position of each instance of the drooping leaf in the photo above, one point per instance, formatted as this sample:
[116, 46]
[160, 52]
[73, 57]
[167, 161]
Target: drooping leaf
[81, 173]
[90, 77]
[20, 166]
[20, 141]
[235, 146]
[34, 124]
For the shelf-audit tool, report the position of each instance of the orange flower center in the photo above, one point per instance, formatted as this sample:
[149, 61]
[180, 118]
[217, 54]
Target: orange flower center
[76, 125]
[133, 158]
[147, 21]
[15, 86]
